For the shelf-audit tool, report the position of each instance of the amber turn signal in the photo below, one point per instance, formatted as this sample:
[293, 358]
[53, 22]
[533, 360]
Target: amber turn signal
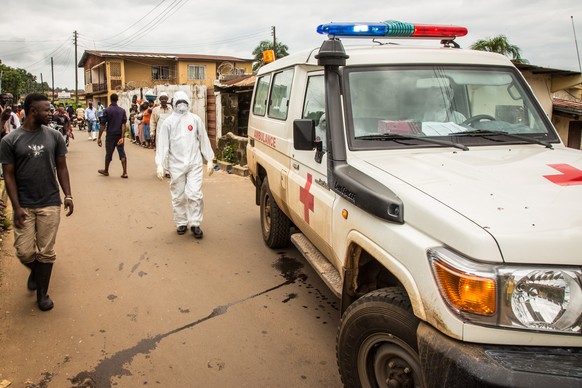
[466, 292]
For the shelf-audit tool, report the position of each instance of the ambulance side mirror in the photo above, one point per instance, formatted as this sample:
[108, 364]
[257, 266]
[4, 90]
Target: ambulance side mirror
[304, 134]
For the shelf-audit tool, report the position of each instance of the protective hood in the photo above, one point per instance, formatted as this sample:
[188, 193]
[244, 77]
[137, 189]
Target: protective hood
[526, 198]
[180, 95]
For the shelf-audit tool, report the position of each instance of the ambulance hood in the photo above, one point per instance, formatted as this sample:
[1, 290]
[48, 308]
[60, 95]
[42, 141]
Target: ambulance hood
[527, 198]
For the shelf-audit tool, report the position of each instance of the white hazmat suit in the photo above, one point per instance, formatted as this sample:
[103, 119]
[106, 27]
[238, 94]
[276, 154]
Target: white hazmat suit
[182, 141]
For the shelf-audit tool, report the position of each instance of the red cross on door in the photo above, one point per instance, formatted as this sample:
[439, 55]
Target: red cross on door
[306, 198]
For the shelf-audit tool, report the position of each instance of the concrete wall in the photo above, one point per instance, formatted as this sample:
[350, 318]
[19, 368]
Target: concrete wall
[541, 86]
[197, 95]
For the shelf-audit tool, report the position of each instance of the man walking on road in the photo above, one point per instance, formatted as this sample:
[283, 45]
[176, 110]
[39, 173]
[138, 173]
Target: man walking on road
[30, 157]
[114, 119]
[182, 141]
[91, 119]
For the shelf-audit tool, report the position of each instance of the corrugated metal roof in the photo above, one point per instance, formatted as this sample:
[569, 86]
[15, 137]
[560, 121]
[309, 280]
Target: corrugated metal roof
[567, 106]
[244, 81]
[545, 70]
[166, 56]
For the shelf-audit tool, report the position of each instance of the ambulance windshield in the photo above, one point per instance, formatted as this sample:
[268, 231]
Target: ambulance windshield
[442, 102]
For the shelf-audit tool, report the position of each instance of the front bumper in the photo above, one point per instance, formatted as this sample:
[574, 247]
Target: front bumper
[450, 363]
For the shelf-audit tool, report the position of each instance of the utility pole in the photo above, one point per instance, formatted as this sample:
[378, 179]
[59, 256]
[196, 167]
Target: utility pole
[41, 83]
[576, 41]
[53, 79]
[76, 72]
[274, 41]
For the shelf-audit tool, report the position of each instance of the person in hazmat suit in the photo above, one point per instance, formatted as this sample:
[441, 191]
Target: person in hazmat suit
[182, 141]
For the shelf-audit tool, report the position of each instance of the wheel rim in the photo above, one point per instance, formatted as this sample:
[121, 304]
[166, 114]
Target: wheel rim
[387, 361]
[267, 215]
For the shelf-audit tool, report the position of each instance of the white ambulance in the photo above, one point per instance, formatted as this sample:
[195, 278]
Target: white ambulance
[430, 191]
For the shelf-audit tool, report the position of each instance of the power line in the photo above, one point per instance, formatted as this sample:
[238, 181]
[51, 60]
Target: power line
[139, 20]
[174, 6]
[124, 41]
[62, 45]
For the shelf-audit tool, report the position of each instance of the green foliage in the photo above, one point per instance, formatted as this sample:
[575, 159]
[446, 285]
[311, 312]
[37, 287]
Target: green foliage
[19, 81]
[500, 44]
[229, 154]
[280, 52]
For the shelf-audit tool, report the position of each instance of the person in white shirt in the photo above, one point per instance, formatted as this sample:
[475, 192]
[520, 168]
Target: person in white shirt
[159, 114]
[438, 106]
[91, 118]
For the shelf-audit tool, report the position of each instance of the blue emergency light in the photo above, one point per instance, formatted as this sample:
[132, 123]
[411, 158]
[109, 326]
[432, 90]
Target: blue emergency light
[391, 29]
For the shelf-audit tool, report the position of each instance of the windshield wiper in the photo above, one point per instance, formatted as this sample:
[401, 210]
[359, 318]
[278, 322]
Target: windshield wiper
[396, 137]
[485, 133]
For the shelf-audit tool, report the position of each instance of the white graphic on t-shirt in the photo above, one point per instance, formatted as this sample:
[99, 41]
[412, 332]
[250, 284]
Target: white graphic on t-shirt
[37, 150]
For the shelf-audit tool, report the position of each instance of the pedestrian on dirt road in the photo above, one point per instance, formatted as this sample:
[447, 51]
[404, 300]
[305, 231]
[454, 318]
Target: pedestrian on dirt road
[33, 159]
[113, 121]
[159, 114]
[182, 141]
[91, 119]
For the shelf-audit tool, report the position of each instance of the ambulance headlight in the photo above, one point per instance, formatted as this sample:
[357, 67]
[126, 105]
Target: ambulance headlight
[542, 299]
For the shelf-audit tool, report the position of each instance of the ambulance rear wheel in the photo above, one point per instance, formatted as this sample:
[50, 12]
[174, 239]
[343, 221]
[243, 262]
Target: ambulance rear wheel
[275, 225]
[376, 344]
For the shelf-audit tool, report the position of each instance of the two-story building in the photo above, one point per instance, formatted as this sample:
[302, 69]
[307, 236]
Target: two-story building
[108, 72]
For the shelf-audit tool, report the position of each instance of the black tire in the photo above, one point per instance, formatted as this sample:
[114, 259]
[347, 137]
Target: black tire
[376, 342]
[275, 225]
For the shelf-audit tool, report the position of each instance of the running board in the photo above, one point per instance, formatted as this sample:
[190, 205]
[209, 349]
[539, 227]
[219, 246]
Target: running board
[320, 264]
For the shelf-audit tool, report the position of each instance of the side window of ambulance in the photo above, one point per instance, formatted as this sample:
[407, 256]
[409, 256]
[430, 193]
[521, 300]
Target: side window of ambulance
[260, 103]
[314, 106]
[281, 90]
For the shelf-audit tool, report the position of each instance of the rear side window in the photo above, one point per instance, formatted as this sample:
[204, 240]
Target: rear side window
[314, 107]
[260, 103]
[281, 90]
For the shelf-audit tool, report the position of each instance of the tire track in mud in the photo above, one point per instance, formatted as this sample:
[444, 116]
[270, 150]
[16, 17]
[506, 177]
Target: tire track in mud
[113, 366]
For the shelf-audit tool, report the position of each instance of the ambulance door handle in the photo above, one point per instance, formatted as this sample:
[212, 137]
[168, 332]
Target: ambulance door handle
[296, 166]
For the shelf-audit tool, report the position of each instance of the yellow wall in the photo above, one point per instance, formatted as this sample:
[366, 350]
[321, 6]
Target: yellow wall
[210, 72]
[139, 74]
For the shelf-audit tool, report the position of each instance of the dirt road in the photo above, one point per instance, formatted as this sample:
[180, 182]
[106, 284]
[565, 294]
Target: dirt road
[136, 304]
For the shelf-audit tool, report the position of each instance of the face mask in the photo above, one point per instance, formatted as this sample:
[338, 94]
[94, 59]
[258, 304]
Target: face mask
[182, 108]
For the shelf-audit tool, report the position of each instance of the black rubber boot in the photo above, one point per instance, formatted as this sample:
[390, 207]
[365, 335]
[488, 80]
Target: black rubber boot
[43, 277]
[31, 283]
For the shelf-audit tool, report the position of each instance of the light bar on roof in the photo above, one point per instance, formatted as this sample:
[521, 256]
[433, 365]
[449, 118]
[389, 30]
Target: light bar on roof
[391, 29]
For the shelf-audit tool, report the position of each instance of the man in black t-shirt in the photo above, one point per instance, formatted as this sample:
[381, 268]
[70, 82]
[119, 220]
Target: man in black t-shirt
[34, 164]
[113, 122]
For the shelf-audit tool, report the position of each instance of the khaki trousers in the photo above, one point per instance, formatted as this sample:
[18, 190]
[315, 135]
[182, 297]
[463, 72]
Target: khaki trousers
[36, 239]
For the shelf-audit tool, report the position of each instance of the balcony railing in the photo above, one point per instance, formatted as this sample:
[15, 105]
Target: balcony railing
[96, 87]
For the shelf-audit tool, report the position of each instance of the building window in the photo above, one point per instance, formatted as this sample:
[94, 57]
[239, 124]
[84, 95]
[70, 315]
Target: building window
[160, 73]
[115, 69]
[196, 73]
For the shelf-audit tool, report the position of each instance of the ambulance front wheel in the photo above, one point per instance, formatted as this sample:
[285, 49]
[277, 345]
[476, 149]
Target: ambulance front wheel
[376, 344]
[275, 225]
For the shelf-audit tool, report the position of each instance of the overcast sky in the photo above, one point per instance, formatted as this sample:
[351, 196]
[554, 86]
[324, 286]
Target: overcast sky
[34, 31]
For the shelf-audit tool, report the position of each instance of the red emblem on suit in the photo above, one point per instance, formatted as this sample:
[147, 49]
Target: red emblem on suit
[190, 128]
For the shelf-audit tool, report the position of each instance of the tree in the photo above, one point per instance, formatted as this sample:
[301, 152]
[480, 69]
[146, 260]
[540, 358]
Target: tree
[19, 81]
[500, 45]
[280, 52]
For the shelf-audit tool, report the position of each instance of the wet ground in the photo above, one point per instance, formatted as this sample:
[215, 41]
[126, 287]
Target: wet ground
[136, 304]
